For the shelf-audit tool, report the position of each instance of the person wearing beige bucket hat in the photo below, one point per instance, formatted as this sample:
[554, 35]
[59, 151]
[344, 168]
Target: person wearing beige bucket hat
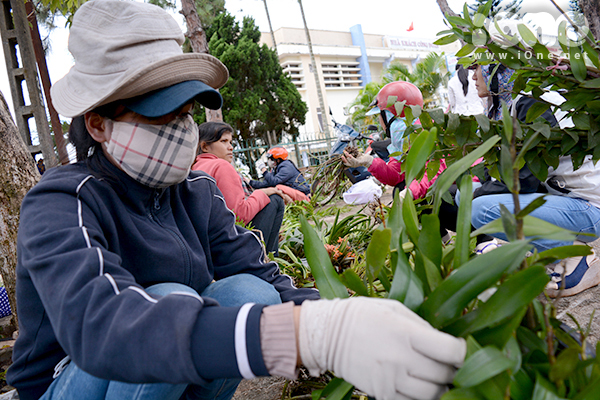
[134, 282]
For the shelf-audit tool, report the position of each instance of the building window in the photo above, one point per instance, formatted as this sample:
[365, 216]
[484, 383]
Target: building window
[341, 75]
[296, 73]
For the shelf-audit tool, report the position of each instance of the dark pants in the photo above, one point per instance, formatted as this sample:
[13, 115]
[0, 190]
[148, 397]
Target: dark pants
[268, 221]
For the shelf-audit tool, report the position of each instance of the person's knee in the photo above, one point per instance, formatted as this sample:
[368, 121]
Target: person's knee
[165, 288]
[483, 212]
[277, 201]
[239, 289]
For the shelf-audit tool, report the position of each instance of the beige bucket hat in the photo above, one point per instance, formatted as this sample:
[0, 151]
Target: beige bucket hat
[123, 49]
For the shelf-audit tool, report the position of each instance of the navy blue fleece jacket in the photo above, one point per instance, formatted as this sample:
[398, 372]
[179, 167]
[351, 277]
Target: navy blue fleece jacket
[87, 246]
[285, 173]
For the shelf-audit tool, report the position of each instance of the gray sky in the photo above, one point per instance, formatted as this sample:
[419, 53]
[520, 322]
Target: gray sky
[388, 17]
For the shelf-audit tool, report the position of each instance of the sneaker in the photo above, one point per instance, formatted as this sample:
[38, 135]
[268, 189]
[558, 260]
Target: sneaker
[485, 247]
[581, 273]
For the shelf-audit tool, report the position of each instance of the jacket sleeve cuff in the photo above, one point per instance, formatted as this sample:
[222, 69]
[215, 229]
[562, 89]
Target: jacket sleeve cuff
[227, 343]
[278, 340]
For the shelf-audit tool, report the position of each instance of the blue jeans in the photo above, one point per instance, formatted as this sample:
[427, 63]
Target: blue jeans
[577, 215]
[75, 384]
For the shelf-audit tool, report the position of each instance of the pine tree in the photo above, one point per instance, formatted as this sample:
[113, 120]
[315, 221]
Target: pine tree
[259, 100]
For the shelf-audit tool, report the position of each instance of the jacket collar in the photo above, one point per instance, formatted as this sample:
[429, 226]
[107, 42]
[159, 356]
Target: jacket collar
[138, 196]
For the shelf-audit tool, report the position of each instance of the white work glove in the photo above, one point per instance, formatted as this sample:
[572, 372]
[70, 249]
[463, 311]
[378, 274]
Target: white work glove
[403, 194]
[362, 160]
[380, 346]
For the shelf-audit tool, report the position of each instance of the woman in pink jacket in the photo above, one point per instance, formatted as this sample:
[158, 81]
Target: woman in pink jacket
[263, 208]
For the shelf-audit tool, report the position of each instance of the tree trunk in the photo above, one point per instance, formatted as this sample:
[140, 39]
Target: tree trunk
[446, 10]
[197, 38]
[17, 175]
[591, 11]
[316, 74]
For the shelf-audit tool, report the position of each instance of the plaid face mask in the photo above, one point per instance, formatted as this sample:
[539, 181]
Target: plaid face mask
[155, 155]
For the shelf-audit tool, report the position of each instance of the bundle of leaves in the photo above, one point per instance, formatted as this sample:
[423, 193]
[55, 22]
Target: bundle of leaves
[517, 348]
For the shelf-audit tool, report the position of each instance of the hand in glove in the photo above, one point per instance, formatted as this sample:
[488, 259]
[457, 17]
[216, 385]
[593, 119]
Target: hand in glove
[378, 345]
[362, 160]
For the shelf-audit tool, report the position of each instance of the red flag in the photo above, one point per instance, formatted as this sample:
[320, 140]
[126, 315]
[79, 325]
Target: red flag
[410, 28]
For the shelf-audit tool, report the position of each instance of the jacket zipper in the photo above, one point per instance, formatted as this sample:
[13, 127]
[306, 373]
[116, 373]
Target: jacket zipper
[184, 250]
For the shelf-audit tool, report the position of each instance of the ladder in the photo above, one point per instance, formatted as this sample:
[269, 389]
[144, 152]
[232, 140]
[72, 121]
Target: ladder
[22, 71]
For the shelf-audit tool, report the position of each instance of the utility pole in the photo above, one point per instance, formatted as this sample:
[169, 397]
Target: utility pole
[270, 26]
[316, 75]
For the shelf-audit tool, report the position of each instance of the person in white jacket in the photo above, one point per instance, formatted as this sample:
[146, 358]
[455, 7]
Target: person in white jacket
[462, 93]
[572, 202]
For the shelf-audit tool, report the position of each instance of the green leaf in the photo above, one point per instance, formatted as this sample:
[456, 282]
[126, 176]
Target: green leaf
[437, 114]
[448, 300]
[511, 297]
[432, 168]
[446, 40]
[354, 283]
[521, 387]
[337, 389]
[577, 62]
[534, 205]
[565, 365]
[424, 266]
[406, 285]
[486, 8]
[377, 252]
[395, 223]
[461, 394]
[453, 122]
[463, 222]
[592, 53]
[544, 390]
[509, 223]
[590, 392]
[506, 167]
[416, 110]
[483, 122]
[384, 280]
[559, 253]
[532, 228]
[409, 215]
[478, 20]
[326, 279]
[543, 50]
[465, 50]
[592, 84]
[535, 111]
[419, 153]
[481, 366]
[430, 240]
[457, 20]
[447, 178]
[499, 334]
[507, 122]
[530, 341]
[528, 37]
